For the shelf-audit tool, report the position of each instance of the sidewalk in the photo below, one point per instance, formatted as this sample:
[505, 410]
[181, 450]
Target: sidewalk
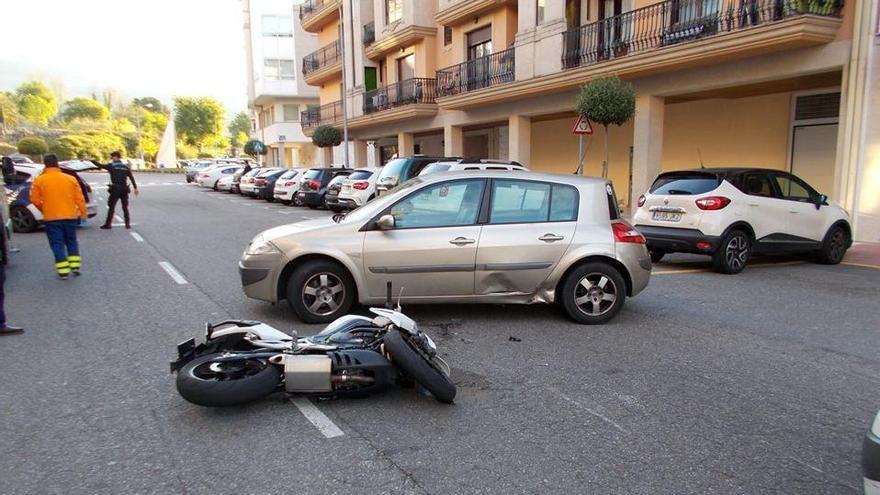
[863, 254]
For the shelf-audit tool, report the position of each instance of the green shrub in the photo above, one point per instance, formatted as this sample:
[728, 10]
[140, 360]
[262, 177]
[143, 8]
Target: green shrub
[326, 136]
[33, 146]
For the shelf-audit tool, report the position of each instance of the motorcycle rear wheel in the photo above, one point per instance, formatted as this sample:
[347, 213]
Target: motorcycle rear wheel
[410, 360]
[205, 382]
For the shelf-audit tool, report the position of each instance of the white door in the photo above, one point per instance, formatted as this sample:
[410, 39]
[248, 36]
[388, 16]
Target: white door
[812, 158]
[804, 219]
[767, 214]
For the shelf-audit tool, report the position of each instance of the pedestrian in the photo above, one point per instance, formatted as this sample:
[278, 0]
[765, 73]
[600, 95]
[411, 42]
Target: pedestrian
[8, 169]
[60, 198]
[5, 329]
[120, 174]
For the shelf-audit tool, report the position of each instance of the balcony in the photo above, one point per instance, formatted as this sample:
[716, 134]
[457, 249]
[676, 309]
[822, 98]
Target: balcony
[401, 38]
[458, 11]
[328, 114]
[677, 22]
[413, 91]
[369, 33]
[322, 65]
[484, 72]
[314, 14]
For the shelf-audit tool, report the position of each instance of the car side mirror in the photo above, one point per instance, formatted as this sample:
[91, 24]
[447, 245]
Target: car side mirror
[821, 200]
[385, 222]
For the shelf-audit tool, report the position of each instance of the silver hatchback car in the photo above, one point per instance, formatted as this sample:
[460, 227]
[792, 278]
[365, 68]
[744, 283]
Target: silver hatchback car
[466, 237]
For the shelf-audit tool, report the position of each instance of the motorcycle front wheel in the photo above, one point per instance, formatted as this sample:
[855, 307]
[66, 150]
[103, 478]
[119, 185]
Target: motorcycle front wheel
[204, 381]
[404, 353]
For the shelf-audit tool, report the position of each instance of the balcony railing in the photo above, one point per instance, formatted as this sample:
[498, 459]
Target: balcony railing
[406, 92]
[677, 21]
[483, 72]
[369, 35]
[309, 7]
[324, 57]
[330, 113]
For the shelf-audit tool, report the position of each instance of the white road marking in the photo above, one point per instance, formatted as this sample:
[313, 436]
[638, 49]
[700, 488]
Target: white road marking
[117, 218]
[137, 237]
[316, 417]
[285, 212]
[172, 272]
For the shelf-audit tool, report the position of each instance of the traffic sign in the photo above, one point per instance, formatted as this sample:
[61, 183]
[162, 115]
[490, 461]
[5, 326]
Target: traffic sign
[582, 126]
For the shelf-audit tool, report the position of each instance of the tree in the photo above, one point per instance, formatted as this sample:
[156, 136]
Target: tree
[199, 121]
[607, 101]
[33, 146]
[255, 147]
[36, 102]
[8, 110]
[326, 136]
[84, 108]
[238, 129]
[151, 104]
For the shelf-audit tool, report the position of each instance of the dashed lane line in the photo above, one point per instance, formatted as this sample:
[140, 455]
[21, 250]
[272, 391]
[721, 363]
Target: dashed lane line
[316, 417]
[137, 237]
[172, 272]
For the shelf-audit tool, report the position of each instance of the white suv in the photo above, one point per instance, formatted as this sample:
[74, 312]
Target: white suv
[730, 213]
[358, 188]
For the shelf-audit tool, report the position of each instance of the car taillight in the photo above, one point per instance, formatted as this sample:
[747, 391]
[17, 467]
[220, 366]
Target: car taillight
[314, 185]
[260, 182]
[624, 232]
[289, 183]
[641, 201]
[361, 186]
[712, 203]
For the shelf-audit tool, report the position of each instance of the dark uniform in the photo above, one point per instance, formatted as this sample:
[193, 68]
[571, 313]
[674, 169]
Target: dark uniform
[120, 174]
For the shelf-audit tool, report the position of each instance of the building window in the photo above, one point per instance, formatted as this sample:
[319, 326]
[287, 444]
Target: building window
[277, 25]
[291, 113]
[393, 11]
[479, 43]
[275, 68]
[447, 35]
[540, 7]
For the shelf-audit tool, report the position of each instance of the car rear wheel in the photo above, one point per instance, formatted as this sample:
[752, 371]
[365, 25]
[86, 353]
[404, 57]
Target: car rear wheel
[733, 253]
[320, 291]
[593, 293]
[22, 220]
[833, 247]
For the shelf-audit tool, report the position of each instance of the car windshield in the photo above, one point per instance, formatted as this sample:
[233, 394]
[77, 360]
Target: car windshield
[684, 183]
[312, 174]
[361, 175]
[266, 172]
[395, 168]
[289, 174]
[435, 167]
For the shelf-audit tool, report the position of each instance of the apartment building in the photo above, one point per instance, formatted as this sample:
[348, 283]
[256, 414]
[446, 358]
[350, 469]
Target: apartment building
[771, 83]
[277, 94]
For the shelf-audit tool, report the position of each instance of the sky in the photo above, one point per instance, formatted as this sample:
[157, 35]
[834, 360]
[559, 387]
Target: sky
[160, 48]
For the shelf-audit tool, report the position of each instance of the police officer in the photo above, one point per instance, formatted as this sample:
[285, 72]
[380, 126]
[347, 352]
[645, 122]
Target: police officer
[120, 174]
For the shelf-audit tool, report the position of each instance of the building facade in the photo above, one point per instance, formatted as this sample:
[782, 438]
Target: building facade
[772, 83]
[277, 94]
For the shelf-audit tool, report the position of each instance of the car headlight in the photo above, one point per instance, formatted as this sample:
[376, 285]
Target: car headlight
[261, 246]
[875, 428]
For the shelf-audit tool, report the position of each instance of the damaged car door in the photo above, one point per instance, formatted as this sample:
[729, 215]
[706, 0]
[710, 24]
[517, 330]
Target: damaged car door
[529, 228]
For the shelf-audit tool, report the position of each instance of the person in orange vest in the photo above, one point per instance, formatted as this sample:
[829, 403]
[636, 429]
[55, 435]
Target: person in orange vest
[60, 198]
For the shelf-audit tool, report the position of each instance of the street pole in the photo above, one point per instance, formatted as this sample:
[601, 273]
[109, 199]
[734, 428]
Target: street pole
[344, 83]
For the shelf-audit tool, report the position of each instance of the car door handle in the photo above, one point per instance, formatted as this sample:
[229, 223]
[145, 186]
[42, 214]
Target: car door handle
[461, 241]
[753, 204]
[550, 238]
[793, 211]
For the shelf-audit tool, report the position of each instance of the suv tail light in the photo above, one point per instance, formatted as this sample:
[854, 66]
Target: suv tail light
[624, 232]
[361, 186]
[314, 185]
[712, 203]
[641, 201]
[260, 182]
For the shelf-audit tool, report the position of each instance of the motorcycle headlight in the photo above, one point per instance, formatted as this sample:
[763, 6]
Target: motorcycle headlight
[261, 246]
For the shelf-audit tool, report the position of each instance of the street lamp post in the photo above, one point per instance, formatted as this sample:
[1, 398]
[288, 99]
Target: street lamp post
[344, 83]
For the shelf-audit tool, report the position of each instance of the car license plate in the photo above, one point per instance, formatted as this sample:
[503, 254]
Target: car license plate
[666, 216]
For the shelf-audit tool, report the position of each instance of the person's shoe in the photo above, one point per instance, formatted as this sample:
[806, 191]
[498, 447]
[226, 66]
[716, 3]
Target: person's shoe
[76, 272]
[128, 226]
[106, 227]
[10, 330]
[63, 277]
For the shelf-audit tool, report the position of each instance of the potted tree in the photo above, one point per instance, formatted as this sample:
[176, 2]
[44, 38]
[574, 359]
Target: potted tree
[607, 101]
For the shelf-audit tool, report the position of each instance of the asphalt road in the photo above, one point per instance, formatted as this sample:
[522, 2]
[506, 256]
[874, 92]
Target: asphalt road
[758, 383]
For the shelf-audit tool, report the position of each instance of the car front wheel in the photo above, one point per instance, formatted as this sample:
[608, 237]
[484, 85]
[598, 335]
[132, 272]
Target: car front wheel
[593, 293]
[22, 220]
[833, 247]
[320, 291]
[733, 253]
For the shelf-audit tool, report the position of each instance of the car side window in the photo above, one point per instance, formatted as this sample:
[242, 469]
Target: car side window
[440, 205]
[793, 189]
[757, 185]
[563, 204]
[518, 201]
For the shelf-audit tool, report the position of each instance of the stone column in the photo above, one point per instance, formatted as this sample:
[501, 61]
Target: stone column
[453, 140]
[520, 139]
[406, 144]
[647, 144]
[282, 159]
[326, 155]
[360, 153]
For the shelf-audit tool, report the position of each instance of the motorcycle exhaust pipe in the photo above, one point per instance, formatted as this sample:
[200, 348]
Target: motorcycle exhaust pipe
[358, 379]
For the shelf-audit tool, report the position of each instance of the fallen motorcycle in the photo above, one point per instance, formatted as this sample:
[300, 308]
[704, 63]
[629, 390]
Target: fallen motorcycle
[243, 360]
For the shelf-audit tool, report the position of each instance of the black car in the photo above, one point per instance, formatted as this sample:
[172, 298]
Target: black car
[264, 185]
[313, 188]
[331, 199]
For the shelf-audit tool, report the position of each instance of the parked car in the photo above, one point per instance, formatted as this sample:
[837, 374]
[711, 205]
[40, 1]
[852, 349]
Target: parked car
[313, 187]
[459, 165]
[871, 458]
[210, 176]
[24, 215]
[731, 213]
[331, 199]
[264, 185]
[192, 170]
[542, 238]
[287, 185]
[248, 182]
[225, 182]
[358, 188]
[400, 170]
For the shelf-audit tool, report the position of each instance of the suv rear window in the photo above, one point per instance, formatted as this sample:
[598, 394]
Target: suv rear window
[361, 175]
[312, 174]
[289, 174]
[684, 183]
